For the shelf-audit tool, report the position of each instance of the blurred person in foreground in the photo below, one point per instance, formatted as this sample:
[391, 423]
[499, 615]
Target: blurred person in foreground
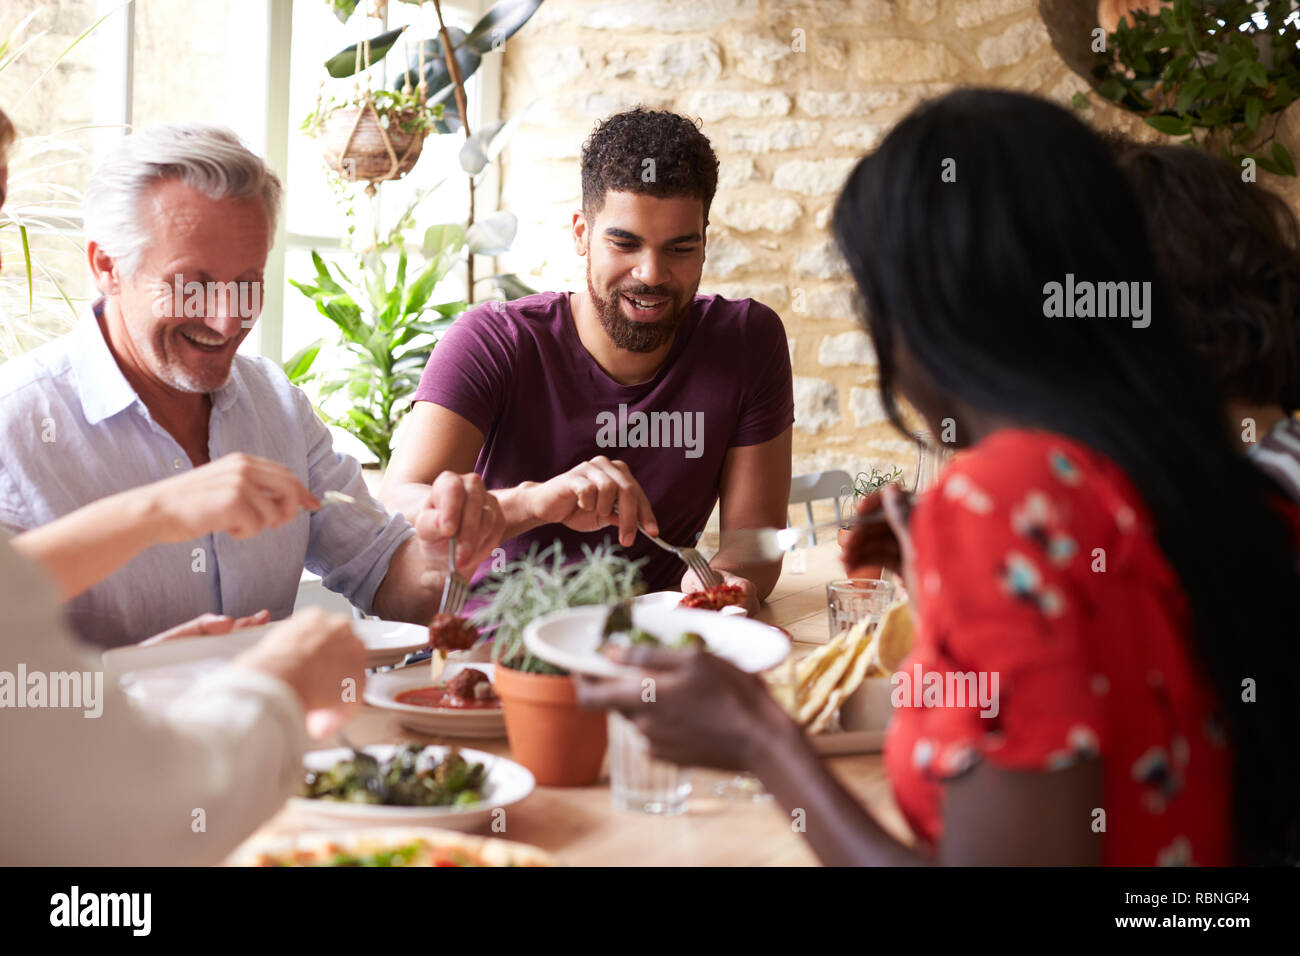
[1231, 252]
[1100, 545]
[92, 781]
[179, 223]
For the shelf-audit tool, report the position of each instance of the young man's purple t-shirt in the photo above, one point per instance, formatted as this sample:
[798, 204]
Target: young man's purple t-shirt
[519, 373]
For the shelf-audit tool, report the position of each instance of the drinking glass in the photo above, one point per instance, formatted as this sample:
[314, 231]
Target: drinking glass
[638, 781]
[851, 600]
[781, 684]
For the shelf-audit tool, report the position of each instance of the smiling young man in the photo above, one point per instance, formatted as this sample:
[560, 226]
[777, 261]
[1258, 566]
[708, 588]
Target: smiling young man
[634, 400]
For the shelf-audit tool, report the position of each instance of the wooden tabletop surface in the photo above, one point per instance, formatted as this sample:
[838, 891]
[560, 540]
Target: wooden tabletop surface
[580, 825]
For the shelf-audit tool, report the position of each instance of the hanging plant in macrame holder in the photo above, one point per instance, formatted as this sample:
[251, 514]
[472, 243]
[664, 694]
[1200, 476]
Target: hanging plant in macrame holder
[376, 136]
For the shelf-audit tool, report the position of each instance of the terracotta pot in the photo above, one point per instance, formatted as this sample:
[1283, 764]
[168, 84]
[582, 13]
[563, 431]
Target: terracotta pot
[871, 571]
[563, 745]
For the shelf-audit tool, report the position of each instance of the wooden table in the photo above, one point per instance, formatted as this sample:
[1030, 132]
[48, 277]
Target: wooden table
[580, 825]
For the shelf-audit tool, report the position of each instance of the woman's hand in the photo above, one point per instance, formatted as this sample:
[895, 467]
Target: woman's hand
[321, 658]
[696, 709]
[885, 543]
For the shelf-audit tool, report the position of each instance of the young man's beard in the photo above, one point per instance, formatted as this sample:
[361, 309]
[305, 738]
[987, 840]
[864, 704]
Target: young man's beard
[628, 333]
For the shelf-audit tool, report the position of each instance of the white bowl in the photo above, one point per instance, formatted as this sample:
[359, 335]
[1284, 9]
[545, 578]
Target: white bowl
[868, 707]
[506, 783]
[571, 638]
[477, 722]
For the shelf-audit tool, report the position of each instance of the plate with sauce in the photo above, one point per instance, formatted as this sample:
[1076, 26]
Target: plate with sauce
[421, 706]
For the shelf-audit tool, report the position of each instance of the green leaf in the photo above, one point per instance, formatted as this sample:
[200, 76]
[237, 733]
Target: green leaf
[418, 294]
[437, 77]
[510, 286]
[1169, 125]
[500, 23]
[1079, 101]
[1283, 158]
[344, 63]
[1254, 105]
[447, 237]
[1188, 94]
[299, 364]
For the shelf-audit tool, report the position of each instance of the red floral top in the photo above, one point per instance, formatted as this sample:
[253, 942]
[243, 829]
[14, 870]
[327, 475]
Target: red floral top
[1037, 566]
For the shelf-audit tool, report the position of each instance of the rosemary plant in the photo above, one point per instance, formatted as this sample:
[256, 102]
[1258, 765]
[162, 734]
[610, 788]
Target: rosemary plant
[539, 583]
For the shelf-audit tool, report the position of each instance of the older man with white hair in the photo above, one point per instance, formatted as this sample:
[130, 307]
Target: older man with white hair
[149, 386]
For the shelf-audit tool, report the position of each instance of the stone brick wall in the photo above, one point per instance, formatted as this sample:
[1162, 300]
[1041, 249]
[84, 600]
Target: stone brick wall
[791, 92]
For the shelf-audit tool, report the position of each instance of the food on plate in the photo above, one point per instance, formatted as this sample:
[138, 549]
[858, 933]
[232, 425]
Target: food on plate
[470, 689]
[448, 633]
[715, 599]
[894, 639]
[828, 676]
[407, 847]
[412, 777]
[639, 637]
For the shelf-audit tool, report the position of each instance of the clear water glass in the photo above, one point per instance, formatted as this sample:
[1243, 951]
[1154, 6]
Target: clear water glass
[638, 781]
[851, 600]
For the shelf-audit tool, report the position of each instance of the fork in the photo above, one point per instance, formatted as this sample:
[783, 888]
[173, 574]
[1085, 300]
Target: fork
[342, 498]
[694, 560]
[455, 591]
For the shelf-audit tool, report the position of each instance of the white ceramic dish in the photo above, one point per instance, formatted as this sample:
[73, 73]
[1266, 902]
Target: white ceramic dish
[571, 638]
[667, 599]
[506, 783]
[387, 642]
[382, 690]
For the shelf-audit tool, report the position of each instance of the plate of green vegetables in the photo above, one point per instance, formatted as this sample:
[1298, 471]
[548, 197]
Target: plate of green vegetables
[409, 784]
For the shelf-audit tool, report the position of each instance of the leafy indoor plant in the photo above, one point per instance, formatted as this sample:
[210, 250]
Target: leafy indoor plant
[388, 326]
[549, 733]
[38, 235]
[1211, 70]
[864, 485]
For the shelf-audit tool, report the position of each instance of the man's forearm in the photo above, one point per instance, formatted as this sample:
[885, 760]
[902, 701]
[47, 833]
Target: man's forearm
[411, 590]
[81, 549]
[515, 509]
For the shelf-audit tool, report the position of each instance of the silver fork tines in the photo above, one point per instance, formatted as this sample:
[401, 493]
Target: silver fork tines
[694, 560]
[455, 591]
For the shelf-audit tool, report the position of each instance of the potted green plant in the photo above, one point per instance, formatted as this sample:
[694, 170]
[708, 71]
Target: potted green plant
[562, 744]
[1212, 72]
[864, 485]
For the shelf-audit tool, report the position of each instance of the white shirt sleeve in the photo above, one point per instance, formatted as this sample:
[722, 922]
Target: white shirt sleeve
[102, 783]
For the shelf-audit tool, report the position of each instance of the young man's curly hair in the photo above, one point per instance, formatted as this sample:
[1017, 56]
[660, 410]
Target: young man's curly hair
[1231, 252]
[615, 154]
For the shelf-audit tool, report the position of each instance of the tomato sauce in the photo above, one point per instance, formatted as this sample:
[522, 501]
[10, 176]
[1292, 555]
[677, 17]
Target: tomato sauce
[439, 696]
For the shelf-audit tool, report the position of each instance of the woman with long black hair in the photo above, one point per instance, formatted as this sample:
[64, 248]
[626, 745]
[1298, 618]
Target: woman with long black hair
[1098, 546]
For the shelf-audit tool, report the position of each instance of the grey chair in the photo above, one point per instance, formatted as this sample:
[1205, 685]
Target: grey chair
[817, 486]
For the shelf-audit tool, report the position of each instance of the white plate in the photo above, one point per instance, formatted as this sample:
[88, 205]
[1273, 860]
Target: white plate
[665, 599]
[570, 638]
[506, 783]
[387, 642]
[382, 690]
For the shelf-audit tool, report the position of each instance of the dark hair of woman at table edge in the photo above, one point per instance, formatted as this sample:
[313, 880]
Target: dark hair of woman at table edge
[952, 276]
